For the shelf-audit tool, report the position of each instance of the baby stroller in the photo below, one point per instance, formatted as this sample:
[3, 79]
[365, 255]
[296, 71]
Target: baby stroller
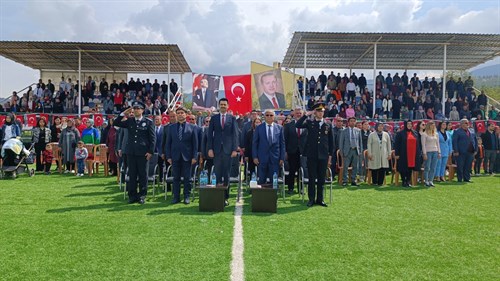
[16, 159]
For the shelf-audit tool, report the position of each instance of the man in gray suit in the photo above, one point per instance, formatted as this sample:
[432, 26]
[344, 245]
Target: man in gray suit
[270, 98]
[351, 149]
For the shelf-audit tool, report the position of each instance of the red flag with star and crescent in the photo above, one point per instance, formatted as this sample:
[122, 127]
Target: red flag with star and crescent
[165, 119]
[31, 119]
[84, 117]
[45, 117]
[238, 89]
[20, 118]
[98, 120]
[480, 126]
[2, 120]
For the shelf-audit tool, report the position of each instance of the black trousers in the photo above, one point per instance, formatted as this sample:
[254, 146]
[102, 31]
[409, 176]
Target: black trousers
[378, 176]
[181, 168]
[39, 149]
[47, 167]
[294, 165]
[316, 169]
[406, 176]
[222, 168]
[137, 172]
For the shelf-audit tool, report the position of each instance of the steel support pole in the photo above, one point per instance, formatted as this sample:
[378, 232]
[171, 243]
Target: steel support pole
[80, 83]
[305, 73]
[168, 78]
[374, 77]
[444, 81]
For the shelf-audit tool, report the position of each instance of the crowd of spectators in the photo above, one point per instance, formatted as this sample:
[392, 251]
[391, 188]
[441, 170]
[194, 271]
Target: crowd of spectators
[397, 97]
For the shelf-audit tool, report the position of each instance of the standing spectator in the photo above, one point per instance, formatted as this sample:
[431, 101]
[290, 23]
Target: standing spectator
[41, 137]
[173, 87]
[90, 135]
[362, 83]
[114, 86]
[47, 158]
[69, 138]
[312, 86]
[479, 156]
[51, 87]
[108, 105]
[103, 89]
[81, 154]
[295, 139]
[156, 89]
[351, 90]
[445, 145]
[248, 144]
[431, 152]
[464, 147]
[351, 148]
[181, 152]
[406, 149]
[482, 99]
[322, 81]
[222, 143]
[56, 129]
[491, 148]
[450, 88]
[159, 131]
[387, 105]
[268, 148]
[300, 85]
[89, 90]
[469, 83]
[379, 154]
[112, 150]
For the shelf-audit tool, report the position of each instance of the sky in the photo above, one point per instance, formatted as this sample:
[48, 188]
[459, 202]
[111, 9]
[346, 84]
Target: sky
[223, 36]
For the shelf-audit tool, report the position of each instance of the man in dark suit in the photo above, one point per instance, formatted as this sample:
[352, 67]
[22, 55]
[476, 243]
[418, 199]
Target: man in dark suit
[222, 143]
[181, 151]
[351, 149]
[203, 98]
[159, 145]
[336, 131]
[140, 147]
[295, 140]
[268, 148]
[491, 148]
[270, 98]
[464, 147]
[318, 151]
[207, 161]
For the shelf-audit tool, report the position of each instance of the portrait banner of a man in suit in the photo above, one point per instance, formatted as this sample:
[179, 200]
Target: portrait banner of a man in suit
[205, 92]
[269, 85]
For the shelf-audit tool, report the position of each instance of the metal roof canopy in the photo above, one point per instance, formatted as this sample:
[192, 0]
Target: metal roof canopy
[414, 51]
[96, 57]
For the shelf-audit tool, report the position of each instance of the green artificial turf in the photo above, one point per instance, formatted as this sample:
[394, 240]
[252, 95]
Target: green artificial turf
[450, 232]
[61, 227]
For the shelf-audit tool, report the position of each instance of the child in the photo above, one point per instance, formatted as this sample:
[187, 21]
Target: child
[47, 157]
[81, 154]
[479, 156]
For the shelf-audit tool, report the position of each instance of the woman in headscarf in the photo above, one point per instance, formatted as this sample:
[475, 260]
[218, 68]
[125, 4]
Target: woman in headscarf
[111, 144]
[90, 135]
[69, 138]
[41, 137]
[406, 148]
[379, 154]
[9, 129]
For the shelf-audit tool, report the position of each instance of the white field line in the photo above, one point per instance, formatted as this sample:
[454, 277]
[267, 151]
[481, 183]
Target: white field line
[237, 264]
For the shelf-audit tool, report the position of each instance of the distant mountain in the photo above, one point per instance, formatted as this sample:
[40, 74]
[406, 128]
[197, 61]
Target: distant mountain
[493, 70]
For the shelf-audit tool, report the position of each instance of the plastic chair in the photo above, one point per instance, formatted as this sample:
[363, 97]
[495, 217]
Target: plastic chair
[395, 173]
[100, 157]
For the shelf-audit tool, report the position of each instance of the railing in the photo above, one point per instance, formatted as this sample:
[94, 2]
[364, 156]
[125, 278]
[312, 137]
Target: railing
[297, 100]
[491, 101]
[175, 102]
[19, 93]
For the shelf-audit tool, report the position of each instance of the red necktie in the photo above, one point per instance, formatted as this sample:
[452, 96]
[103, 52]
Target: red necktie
[275, 104]
[223, 120]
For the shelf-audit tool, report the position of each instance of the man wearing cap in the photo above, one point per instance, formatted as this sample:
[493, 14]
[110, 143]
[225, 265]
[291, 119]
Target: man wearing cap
[140, 147]
[318, 150]
[181, 151]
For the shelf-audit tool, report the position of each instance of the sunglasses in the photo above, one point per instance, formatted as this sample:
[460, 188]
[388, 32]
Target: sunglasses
[269, 115]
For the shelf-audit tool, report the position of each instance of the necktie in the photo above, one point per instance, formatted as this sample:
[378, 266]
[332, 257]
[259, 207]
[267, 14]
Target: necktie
[223, 120]
[180, 132]
[275, 104]
[298, 133]
[269, 134]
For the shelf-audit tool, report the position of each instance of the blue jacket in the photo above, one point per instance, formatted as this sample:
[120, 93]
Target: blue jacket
[461, 141]
[445, 145]
[223, 140]
[263, 150]
[185, 149]
[16, 132]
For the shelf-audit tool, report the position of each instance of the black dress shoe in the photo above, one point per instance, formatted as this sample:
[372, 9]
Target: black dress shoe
[132, 200]
[322, 203]
[226, 203]
[354, 184]
[290, 192]
[310, 203]
[142, 201]
[175, 201]
[187, 201]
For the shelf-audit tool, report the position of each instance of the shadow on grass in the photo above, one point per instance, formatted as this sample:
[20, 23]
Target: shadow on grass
[90, 194]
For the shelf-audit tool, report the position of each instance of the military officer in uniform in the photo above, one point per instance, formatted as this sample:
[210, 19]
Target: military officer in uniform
[318, 150]
[140, 148]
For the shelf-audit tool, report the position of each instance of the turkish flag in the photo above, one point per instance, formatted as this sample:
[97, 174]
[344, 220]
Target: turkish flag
[238, 89]
[98, 120]
[2, 120]
[455, 125]
[45, 117]
[20, 118]
[165, 119]
[480, 126]
[390, 127]
[31, 119]
[85, 117]
[372, 124]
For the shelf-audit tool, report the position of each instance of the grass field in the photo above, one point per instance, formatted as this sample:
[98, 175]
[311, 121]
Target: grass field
[61, 227]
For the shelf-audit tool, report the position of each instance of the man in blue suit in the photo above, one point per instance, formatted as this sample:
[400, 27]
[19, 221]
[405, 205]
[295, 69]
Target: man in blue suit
[222, 143]
[464, 147]
[181, 151]
[268, 148]
[159, 144]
